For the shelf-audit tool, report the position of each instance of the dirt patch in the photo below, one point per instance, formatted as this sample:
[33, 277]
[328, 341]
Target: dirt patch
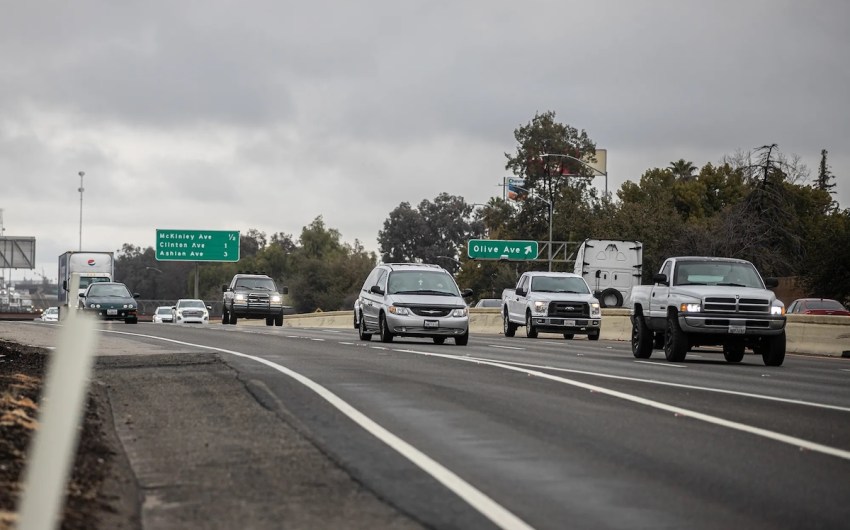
[89, 504]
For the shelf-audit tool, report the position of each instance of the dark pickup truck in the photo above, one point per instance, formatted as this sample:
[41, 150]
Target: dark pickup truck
[252, 296]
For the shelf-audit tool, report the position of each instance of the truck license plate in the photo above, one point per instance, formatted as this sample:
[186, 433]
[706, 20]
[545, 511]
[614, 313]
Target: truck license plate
[737, 330]
[432, 323]
[111, 311]
[569, 322]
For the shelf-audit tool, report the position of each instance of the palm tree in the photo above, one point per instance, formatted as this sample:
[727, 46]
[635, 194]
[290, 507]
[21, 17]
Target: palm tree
[682, 169]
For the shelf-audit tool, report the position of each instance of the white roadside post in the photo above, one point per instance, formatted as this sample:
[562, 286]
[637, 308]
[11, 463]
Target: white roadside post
[52, 450]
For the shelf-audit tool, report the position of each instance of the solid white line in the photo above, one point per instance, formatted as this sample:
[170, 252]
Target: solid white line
[495, 512]
[779, 437]
[666, 365]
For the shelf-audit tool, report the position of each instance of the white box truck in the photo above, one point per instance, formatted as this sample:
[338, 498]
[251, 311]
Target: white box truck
[89, 266]
[611, 268]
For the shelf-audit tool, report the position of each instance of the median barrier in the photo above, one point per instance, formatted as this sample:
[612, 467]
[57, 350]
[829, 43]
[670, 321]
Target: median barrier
[823, 335]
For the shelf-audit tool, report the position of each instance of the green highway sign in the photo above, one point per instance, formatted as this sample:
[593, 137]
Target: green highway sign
[496, 249]
[197, 245]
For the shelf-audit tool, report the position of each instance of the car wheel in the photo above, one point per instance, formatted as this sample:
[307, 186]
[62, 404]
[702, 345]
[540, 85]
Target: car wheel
[386, 336]
[132, 320]
[508, 327]
[278, 320]
[772, 350]
[361, 330]
[530, 330]
[733, 353]
[641, 337]
[569, 336]
[675, 341]
[462, 340]
[270, 321]
[439, 340]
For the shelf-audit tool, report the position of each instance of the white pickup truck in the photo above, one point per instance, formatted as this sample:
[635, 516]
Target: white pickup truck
[706, 301]
[551, 302]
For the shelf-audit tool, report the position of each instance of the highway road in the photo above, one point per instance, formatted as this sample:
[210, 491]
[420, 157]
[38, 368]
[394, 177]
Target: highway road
[548, 433]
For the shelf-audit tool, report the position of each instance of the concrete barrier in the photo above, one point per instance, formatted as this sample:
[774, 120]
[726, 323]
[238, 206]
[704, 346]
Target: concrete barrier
[823, 335]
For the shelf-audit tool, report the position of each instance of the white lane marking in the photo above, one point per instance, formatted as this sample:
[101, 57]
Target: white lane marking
[347, 343]
[317, 340]
[844, 369]
[779, 437]
[498, 514]
[666, 365]
[506, 347]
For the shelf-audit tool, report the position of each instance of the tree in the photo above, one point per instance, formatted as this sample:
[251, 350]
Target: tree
[682, 169]
[433, 229]
[824, 175]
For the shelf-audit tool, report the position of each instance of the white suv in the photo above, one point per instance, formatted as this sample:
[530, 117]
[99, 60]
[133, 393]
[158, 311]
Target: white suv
[190, 311]
[412, 300]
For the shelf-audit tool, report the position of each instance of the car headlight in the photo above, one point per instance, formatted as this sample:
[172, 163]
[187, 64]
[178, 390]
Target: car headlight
[540, 306]
[595, 310]
[275, 298]
[240, 297]
[398, 310]
[460, 312]
[690, 307]
[777, 310]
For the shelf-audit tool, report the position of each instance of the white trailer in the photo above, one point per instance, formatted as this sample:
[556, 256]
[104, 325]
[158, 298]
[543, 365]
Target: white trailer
[611, 268]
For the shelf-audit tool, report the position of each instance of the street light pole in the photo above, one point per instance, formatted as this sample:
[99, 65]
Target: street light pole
[585, 164]
[551, 215]
[81, 189]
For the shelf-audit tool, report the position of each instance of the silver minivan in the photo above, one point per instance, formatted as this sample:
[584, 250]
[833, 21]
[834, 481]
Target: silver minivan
[412, 300]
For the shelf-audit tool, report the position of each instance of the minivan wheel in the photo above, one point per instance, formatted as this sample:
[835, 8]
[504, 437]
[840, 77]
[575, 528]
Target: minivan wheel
[361, 330]
[462, 340]
[386, 336]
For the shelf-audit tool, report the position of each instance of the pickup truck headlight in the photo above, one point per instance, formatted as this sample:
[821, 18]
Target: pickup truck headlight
[540, 306]
[459, 312]
[240, 297]
[595, 310]
[398, 310]
[275, 298]
[777, 310]
[692, 307]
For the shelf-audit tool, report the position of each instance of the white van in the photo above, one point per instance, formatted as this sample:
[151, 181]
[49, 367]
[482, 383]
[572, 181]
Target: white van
[611, 268]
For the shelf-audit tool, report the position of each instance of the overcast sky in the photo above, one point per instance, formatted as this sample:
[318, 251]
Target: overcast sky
[233, 115]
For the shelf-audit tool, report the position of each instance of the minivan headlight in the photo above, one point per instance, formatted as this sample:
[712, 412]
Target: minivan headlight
[398, 310]
[460, 312]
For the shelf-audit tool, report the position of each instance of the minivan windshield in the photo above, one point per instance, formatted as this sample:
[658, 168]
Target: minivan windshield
[422, 282]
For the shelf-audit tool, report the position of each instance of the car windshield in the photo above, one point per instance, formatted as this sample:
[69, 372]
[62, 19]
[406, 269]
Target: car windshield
[255, 283]
[730, 273]
[559, 284]
[163, 311]
[422, 282]
[109, 290]
[191, 303]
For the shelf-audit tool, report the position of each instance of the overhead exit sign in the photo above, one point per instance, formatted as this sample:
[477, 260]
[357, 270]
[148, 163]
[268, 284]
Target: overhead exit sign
[502, 249]
[197, 245]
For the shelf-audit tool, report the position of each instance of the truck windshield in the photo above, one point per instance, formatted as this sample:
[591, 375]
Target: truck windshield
[85, 281]
[559, 284]
[728, 273]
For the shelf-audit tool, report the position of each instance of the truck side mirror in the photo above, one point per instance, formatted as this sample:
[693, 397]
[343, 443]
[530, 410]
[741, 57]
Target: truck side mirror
[224, 288]
[520, 291]
[771, 283]
[660, 278]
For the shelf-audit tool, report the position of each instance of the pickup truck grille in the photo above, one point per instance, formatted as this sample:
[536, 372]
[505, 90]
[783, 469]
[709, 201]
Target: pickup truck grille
[193, 313]
[259, 298]
[569, 309]
[729, 304]
[431, 311]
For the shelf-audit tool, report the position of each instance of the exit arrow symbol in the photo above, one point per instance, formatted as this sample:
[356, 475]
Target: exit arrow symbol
[528, 249]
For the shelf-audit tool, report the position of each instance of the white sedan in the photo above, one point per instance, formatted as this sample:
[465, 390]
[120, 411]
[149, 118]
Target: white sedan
[162, 314]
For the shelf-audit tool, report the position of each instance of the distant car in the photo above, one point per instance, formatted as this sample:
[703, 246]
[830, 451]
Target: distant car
[110, 301]
[489, 302]
[817, 306]
[51, 314]
[190, 311]
[162, 314]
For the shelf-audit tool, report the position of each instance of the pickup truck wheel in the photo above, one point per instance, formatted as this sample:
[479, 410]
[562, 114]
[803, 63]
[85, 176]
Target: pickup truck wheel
[641, 338]
[733, 353]
[270, 321]
[232, 318]
[675, 341]
[361, 330]
[568, 336]
[508, 327]
[772, 350]
[225, 318]
[593, 336]
[278, 320]
[386, 336]
[530, 330]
